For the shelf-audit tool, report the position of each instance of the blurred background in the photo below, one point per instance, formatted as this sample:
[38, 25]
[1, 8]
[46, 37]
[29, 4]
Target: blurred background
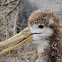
[14, 17]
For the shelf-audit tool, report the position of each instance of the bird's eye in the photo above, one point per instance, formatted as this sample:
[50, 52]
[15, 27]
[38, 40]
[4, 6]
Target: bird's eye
[41, 26]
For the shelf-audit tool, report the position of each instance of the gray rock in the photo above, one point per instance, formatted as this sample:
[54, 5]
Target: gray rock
[28, 6]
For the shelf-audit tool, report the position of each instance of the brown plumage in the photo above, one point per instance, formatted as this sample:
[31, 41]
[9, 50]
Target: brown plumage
[43, 16]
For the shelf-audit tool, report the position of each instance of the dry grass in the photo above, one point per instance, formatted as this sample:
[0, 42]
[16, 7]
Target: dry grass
[27, 53]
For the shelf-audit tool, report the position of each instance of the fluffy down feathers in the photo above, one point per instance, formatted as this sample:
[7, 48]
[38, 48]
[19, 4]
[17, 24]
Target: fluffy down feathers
[44, 16]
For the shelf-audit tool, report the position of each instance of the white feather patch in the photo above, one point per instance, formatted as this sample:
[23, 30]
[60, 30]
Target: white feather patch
[51, 21]
[40, 39]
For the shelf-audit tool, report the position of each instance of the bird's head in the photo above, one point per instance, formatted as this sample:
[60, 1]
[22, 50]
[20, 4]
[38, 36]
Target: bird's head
[41, 25]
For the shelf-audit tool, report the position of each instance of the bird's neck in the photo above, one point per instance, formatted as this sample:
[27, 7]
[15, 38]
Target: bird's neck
[42, 45]
[42, 56]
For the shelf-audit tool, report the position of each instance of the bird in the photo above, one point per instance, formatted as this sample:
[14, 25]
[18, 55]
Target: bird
[44, 30]
[47, 35]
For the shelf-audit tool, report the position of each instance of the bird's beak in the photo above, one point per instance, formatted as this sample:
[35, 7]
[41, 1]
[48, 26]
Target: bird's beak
[20, 39]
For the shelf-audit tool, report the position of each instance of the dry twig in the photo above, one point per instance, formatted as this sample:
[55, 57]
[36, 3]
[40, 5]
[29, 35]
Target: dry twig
[10, 10]
[6, 3]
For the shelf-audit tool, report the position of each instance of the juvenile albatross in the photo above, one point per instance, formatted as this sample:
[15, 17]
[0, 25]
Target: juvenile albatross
[44, 30]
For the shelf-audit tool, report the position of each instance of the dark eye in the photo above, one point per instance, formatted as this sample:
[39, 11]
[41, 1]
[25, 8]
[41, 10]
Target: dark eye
[41, 26]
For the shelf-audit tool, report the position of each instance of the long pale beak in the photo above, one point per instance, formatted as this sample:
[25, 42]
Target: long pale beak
[25, 36]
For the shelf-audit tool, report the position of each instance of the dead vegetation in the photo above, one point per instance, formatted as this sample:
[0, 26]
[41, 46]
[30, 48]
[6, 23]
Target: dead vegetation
[8, 16]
